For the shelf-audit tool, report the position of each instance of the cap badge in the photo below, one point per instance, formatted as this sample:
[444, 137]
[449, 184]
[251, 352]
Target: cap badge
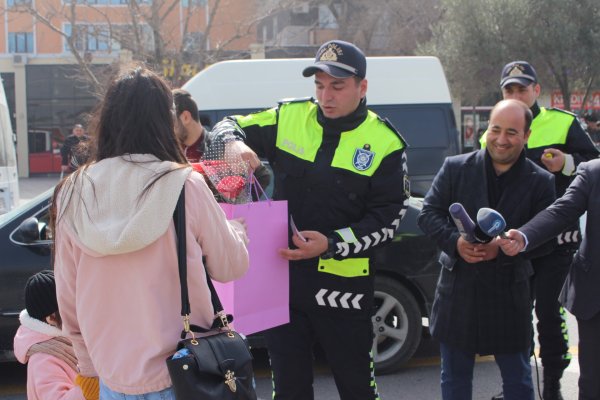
[517, 70]
[363, 159]
[331, 53]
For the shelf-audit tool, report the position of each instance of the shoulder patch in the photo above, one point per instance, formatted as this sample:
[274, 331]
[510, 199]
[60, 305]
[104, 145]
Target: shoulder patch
[257, 111]
[391, 126]
[561, 110]
[295, 100]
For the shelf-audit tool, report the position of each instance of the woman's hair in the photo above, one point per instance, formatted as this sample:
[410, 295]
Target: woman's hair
[136, 116]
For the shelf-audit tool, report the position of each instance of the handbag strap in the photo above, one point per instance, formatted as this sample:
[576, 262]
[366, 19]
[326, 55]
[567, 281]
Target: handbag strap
[222, 320]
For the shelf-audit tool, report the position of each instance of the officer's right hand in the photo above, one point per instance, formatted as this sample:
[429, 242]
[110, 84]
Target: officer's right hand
[237, 148]
[314, 245]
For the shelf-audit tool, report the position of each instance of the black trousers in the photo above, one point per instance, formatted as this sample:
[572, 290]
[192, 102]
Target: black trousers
[347, 345]
[589, 358]
[548, 279]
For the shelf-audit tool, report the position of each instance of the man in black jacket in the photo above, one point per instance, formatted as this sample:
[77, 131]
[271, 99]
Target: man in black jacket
[579, 294]
[558, 144]
[482, 303]
[73, 152]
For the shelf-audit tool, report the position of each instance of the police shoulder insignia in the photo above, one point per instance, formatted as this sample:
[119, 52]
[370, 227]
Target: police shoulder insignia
[561, 111]
[295, 100]
[391, 126]
[363, 158]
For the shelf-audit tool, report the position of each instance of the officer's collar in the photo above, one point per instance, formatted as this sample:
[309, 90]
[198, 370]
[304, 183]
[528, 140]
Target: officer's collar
[535, 109]
[347, 123]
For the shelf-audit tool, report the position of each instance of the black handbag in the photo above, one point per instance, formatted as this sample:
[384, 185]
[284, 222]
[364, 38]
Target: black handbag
[218, 366]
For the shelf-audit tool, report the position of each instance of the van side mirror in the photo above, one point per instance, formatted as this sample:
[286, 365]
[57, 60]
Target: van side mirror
[29, 234]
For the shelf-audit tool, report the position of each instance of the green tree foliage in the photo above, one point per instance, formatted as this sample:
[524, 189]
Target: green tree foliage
[475, 38]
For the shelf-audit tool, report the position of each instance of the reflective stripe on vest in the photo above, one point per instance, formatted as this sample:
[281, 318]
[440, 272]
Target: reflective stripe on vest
[300, 134]
[348, 268]
[548, 128]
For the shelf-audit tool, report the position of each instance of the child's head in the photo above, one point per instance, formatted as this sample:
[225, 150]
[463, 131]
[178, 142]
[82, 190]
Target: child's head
[40, 298]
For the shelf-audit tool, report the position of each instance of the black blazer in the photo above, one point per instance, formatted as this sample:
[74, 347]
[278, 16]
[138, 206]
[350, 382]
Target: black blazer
[484, 307]
[580, 294]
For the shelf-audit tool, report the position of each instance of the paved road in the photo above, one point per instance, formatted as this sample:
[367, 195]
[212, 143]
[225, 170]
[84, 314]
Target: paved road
[419, 380]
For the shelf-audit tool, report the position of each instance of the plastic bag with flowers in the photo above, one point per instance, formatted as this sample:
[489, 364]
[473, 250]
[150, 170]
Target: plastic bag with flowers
[227, 174]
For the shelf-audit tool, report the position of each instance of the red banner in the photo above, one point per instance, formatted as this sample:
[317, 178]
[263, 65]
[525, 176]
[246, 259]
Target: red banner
[593, 100]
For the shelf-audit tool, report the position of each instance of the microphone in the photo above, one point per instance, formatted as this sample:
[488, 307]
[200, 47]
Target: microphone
[490, 223]
[463, 222]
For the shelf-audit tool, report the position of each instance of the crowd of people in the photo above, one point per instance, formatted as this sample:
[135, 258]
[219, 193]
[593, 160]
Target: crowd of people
[112, 219]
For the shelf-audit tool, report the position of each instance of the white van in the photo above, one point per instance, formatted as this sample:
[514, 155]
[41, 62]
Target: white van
[411, 92]
[9, 181]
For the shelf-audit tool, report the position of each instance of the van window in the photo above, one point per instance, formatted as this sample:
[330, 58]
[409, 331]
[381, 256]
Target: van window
[413, 120]
[431, 134]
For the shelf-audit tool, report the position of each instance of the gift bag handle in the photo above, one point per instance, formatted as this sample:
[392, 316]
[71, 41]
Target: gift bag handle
[222, 320]
[256, 186]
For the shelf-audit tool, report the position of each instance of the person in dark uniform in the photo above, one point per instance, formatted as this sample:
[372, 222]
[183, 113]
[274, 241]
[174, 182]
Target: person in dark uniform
[342, 170]
[580, 292]
[593, 127]
[74, 151]
[558, 144]
[482, 302]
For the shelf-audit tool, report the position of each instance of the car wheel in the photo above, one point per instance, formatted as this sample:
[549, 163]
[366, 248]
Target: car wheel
[396, 324]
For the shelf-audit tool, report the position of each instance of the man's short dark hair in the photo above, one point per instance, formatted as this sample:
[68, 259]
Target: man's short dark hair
[184, 102]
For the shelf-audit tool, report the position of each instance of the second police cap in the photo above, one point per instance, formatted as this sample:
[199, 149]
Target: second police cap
[339, 59]
[520, 72]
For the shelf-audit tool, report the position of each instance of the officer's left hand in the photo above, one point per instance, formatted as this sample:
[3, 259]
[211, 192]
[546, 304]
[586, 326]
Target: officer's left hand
[553, 160]
[237, 149]
[315, 245]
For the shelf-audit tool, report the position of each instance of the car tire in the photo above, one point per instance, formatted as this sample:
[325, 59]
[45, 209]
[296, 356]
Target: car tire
[397, 325]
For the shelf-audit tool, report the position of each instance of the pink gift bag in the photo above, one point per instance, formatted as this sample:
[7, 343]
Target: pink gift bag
[260, 299]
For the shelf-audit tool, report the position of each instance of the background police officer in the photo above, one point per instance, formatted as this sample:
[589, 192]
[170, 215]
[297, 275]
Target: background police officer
[557, 143]
[342, 169]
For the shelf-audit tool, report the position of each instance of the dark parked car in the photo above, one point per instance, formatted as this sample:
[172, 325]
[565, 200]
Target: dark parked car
[407, 271]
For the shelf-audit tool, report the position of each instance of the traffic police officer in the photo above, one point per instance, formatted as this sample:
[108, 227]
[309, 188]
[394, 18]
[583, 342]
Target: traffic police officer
[342, 170]
[557, 143]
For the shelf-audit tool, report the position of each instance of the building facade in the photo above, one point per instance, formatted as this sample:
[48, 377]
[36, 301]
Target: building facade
[46, 90]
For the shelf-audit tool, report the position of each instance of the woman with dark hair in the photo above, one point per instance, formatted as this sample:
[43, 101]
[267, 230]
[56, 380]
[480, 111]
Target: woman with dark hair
[115, 247]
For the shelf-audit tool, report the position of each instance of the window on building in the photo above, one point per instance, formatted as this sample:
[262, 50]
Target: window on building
[326, 18]
[193, 3]
[123, 36]
[89, 37]
[101, 38]
[14, 3]
[20, 42]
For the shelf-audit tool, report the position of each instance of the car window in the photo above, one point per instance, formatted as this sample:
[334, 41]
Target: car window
[15, 212]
